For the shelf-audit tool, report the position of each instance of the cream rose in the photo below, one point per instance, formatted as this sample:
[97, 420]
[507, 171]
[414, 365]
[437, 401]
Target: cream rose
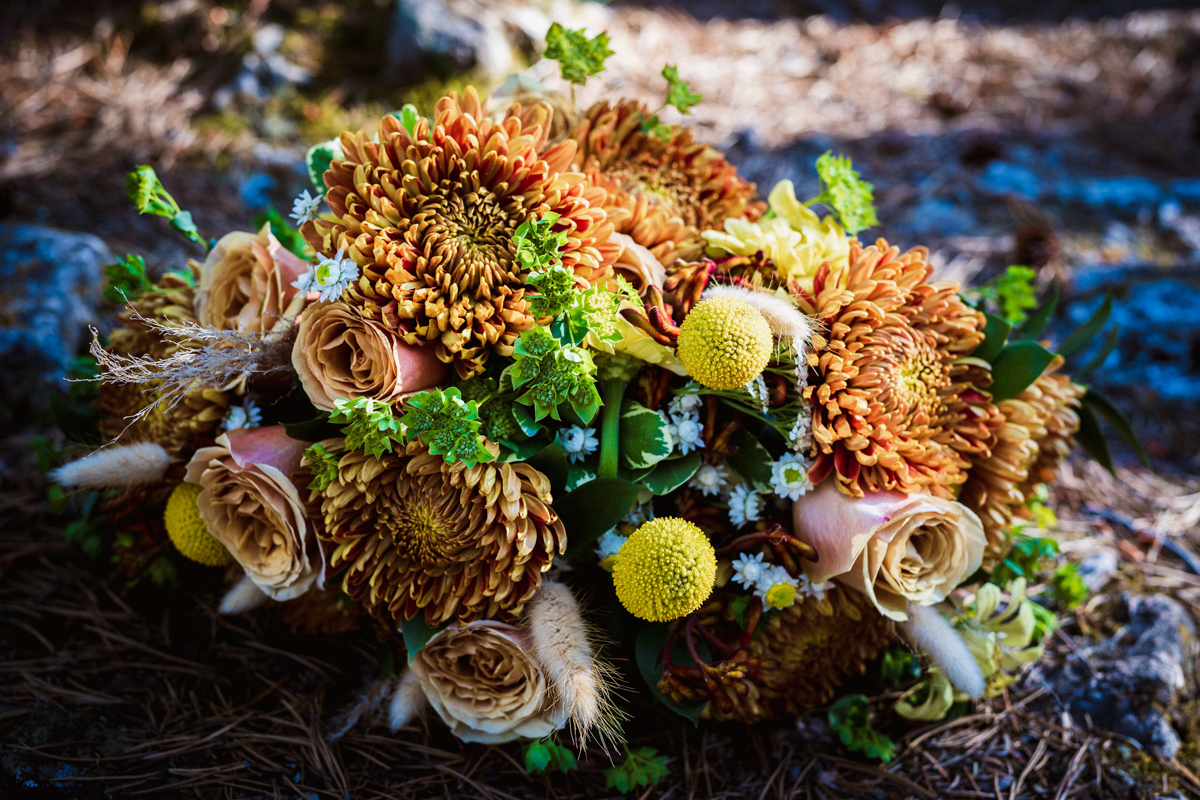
[483, 682]
[338, 354]
[892, 547]
[249, 503]
[246, 282]
[637, 264]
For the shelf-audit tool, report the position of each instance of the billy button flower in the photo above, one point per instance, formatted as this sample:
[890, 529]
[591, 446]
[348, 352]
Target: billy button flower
[725, 343]
[188, 532]
[665, 570]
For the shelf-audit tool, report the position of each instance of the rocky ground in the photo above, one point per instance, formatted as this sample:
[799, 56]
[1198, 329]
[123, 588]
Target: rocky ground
[1005, 135]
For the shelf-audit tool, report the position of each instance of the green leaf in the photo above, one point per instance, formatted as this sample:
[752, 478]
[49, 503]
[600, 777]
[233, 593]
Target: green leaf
[537, 757]
[318, 158]
[1110, 343]
[645, 436]
[851, 198]
[127, 280]
[288, 236]
[1101, 405]
[899, 666]
[578, 56]
[78, 421]
[641, 767]
[1091, 438]
[679, 94]
[552, 462]
[669, 475]
[416, 634]
[648, 652]
[312, 430]
[323, 466]
[1083, 335]
[447, 424]
[994, 335]
[849, 717]
[1038, 320]
[592, 509]
[1017, 367]
[409, 117]
[751, 461]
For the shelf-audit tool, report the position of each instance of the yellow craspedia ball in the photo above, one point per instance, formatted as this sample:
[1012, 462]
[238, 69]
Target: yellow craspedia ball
[188, 532]
[724, 342]
[666, 570]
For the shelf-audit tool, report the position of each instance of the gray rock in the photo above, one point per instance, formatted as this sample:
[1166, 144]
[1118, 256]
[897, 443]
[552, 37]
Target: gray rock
[447, 36]
[1096, 569]
[52, 281]
[1129, 683]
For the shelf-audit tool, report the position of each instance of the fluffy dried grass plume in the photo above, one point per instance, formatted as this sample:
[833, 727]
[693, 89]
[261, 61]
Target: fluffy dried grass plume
[408, 701]
[123, 466]
[243, 596]
[583, 682]
[932, 634]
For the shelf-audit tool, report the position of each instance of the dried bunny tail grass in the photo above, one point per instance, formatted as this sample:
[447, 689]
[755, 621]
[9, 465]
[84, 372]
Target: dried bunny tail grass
[932, 634]
[367, 707]
[562, 646]
[244, 596]
[408, 701]
[204, 357]
[786, 321]
[125, 466]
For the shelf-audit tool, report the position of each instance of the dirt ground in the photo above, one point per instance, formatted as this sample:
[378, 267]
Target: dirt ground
[996, 133]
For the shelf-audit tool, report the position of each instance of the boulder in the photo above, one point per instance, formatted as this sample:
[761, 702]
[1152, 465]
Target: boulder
[447, 36]
[52, 282]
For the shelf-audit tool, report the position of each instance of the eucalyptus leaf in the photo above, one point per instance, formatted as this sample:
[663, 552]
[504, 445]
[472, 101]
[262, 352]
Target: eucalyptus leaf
[551, 461]
[1017, 367]
[1101, 405]
[318, 158]
[669, 475]
[648, 651]
[645, 436]
[1038, 320]
[1083, 335]
[1110, 344]
[751, 461]
[416, 633]
[592, 509]
[994, 335]
[1091, 438]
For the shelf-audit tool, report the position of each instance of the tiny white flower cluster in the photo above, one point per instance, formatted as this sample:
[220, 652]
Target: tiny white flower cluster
[578, 443]
[800, 436]
[683, 415]
[305, 208]
[638, 515]
[772, 584]
[710, 479]
[247, 415]
[329, 276]
[789, 476]
[757, 390]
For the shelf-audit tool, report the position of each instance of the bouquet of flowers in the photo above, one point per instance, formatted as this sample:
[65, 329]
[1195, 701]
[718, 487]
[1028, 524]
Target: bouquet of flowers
[517, 349]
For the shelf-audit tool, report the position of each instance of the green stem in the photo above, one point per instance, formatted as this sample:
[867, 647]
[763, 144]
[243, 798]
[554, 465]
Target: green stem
[612, 391]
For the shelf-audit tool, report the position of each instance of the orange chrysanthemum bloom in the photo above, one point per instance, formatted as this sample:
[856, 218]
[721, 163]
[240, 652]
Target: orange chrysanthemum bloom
[429, 220]
[660, 193]
[417, 534]
[896, 400]
[1035, 437]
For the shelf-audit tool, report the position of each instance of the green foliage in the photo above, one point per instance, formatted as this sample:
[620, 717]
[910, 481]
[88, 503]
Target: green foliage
[127, 279]
[288, 236]
[641, 767]
[851, 198]
[83, 374]
[150, 197]
[45, 455]
[593, 508]
[1067, 586]
[1011, 293]
[899, 665]
[1024, 559]
[850, 718]
[370, 425]
[595, 310]
[556, 291]
[416, 633]
[448, 424]
[553, 373]
[538, 247]
[161, 572]
[645, 436]
[545, 754]
[409, 117]
[323, 465]
[679, 94]
[1017, 366]
[578, 57]
[318, 159]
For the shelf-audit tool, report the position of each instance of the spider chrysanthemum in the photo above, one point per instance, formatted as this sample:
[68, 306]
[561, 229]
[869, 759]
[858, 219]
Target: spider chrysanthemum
[187, 530]
[419, 535]
[724, 342]
[429, 219]
[897, 403]
[665, 570]
[661, 192]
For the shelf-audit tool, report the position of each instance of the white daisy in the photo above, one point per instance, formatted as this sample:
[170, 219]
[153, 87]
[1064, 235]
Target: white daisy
[776, 588]
[810, 589]
[745, 505]
[790, 476]
[748, 569]
[607, 547]
[710, 478]
[578, 443]
[687, 433]
[682, 405]
[305, 207]
[247, 415]
[329, 276]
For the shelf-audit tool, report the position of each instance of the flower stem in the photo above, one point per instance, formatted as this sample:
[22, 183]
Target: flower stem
[611, 393]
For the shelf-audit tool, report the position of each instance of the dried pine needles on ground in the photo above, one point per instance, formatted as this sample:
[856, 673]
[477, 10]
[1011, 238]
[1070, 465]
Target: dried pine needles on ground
[97, 699]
